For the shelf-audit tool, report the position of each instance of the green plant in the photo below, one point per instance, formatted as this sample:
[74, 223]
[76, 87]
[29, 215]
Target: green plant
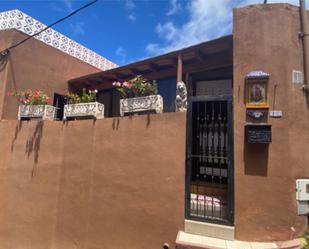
[84, 97]
[305, 240]
[138, 86]
[31, 97]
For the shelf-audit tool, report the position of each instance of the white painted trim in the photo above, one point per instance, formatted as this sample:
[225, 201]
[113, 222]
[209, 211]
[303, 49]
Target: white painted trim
[16, 19]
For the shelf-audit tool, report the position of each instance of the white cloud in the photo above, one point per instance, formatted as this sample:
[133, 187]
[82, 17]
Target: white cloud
[132, 17]
[207, 19]
[153, 48]
[68, 4]
[62, 6]
[167, 31]
[78, 28]
[204, 18]
[129, 4]
[121, 53]
[175, 7]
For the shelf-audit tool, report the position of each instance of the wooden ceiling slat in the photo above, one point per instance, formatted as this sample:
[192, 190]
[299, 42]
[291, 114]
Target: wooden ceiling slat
[209, 54]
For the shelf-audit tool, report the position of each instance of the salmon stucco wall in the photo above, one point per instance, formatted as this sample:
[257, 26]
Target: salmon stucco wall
[112, 183]
[266, 38]
[35, 65]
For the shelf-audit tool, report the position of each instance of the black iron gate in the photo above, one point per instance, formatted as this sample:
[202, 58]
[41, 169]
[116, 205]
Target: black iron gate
[209, 167]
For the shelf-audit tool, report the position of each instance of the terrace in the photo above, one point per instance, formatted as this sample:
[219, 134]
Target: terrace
[209, 61]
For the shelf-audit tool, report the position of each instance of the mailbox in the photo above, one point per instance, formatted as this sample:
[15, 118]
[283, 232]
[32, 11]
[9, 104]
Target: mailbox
[258, 133]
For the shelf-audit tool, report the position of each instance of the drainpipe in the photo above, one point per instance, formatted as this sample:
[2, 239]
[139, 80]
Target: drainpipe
[304, 35]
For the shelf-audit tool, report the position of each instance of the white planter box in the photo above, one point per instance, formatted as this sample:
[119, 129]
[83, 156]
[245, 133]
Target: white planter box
[141, 104]
[46, 112]
[92, 109]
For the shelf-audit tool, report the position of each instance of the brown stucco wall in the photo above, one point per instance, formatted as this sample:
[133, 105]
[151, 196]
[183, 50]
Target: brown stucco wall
[36, 65]
[113, 183]
[5, 41]
[266, 38]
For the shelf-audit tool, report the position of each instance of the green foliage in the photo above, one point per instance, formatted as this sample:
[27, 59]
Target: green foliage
[305, 240]
[85, 97]
[136, 87]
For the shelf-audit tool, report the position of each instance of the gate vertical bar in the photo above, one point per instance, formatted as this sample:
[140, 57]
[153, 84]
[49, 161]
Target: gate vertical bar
[188, 160]
[230, 158]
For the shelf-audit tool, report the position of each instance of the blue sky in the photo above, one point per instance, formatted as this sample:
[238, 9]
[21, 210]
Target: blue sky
[125, 31]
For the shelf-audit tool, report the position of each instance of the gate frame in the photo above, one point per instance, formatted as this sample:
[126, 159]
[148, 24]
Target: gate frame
[230, 155]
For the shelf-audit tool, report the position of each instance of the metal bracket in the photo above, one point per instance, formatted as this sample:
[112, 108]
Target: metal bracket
[306, 88]
[302, 34]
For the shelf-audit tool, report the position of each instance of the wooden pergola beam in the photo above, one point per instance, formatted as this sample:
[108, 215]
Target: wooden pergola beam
[179, 68]
[154, 67]
[173, 62]
[135, 71]
[108, 78]
[200, 56]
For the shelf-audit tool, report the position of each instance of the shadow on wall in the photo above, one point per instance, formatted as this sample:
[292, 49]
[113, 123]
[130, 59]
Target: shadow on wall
[34, 142]
[3, 61]
[256, 159]
[307, 99]
[17, 130]
[116, 121]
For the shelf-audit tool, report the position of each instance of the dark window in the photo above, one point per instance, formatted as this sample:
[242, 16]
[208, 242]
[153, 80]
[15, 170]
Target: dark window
[110, 99]
[59, 104]
[167, 89]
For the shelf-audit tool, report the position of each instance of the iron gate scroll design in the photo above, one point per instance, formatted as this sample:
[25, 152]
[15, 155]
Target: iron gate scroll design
[209, 168]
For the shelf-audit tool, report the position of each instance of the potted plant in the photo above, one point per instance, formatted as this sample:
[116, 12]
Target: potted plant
[34, 104]
[139, 95]
[83, 105]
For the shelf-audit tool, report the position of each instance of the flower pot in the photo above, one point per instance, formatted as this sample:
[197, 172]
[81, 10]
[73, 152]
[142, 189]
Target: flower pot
[46, 112]
[92, 109]
[141, 104]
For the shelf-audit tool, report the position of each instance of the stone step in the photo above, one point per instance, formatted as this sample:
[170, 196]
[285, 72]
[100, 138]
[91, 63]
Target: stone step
[192, 241]
[209, 229]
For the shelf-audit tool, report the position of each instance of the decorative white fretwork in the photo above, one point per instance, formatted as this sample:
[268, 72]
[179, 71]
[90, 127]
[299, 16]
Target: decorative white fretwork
[92, 109]
[141, 104]
[46, 112]
[15, 19]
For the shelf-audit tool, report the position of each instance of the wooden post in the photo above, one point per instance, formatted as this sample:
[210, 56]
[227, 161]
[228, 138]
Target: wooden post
[188, 83]
[179, 68]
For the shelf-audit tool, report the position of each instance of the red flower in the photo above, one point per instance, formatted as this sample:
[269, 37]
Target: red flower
[129, 85]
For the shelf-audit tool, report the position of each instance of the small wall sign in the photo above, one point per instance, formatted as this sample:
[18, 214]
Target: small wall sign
[275, 114]
[257, 114]
[258, 133]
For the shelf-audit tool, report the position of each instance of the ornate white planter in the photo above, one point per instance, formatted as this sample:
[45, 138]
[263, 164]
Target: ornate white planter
[92, 109]
[141, 104]
[46, 112]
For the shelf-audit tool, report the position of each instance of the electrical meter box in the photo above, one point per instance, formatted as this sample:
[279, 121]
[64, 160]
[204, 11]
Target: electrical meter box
[302, 189]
